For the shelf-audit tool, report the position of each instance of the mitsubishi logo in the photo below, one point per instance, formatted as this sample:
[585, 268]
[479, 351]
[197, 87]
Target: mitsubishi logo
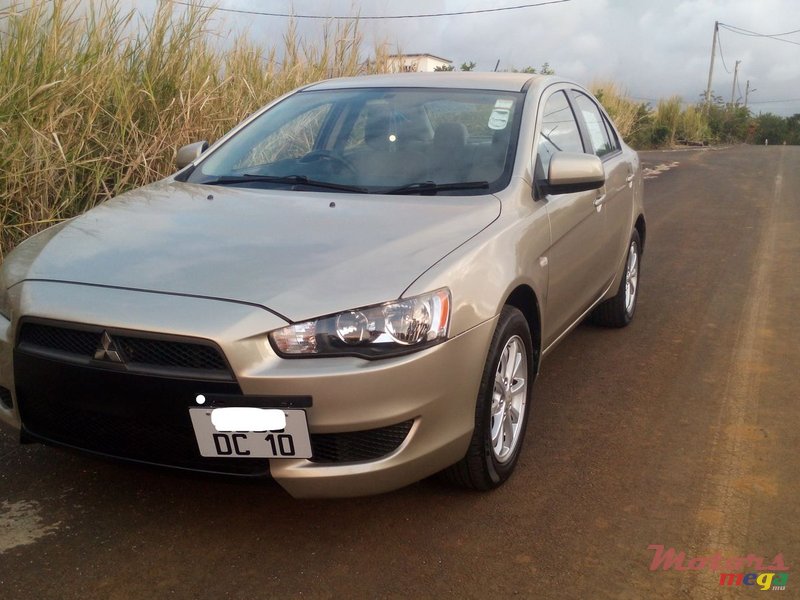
[107, 350]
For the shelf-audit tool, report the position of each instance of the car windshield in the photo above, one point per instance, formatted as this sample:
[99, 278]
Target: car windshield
[379, 140]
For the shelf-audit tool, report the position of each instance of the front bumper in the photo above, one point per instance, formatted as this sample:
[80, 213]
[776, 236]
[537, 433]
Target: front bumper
[433, 391]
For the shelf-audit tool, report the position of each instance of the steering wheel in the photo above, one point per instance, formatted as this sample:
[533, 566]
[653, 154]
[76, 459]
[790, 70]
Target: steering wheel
[330, 157]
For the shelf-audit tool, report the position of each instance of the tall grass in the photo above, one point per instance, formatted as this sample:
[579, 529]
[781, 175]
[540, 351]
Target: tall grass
[628, 116]
[693, 124]
[666, 124]
[94, 102]
[666, 118]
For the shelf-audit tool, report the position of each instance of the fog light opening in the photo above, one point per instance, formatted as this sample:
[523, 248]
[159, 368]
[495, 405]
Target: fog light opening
[6, 400]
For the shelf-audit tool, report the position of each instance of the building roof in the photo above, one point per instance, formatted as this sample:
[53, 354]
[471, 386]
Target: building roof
[447, 60]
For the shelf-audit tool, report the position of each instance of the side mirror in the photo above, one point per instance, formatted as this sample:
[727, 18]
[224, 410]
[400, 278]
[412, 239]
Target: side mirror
[189, 153]
[574, 172]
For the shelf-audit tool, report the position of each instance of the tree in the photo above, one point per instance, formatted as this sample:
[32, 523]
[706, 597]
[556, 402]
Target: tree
[545, 69]
[773, 128]
[444, 68]
[728, 124]
[470, 66]
[793, 127]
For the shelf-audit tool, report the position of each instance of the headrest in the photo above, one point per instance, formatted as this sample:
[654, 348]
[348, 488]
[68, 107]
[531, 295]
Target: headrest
[450, 135]
[501, 137]
[377, 128]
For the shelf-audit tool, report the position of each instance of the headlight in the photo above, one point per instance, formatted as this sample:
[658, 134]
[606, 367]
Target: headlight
[373, 332]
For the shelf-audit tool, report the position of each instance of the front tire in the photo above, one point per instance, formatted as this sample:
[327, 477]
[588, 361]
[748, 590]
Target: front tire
[619, 310]
[501, 412]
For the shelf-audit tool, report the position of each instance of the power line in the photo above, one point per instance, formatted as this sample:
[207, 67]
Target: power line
[749, 33]
[719, 43]
[370, 17]
[775, 101]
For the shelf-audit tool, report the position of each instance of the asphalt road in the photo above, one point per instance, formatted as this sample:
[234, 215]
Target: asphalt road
[682, 430]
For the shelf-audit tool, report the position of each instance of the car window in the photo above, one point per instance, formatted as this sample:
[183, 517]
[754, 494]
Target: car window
[615, 145]
[559, 132]
[595, 125]
[378, 140]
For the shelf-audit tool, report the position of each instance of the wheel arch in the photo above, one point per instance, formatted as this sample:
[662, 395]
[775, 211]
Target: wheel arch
[524, 298]
[641, 227]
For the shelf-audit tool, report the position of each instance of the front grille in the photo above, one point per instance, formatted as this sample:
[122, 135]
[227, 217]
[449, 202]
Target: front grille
[170, 354]
[138, 351]
[119, 414]
[358, 445]
[70, 341]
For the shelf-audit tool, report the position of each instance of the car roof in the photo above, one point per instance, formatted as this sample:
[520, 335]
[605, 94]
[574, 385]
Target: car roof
[506, 82]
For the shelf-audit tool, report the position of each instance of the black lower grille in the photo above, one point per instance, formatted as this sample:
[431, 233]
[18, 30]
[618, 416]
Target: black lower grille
[124, 415]
[140, 351]
[358, 445]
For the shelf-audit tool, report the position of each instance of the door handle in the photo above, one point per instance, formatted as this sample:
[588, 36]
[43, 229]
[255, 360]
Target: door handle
[599, 200]
[629, 178]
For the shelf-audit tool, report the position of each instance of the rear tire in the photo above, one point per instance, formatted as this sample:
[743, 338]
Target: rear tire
[503, 404]
[619, 310]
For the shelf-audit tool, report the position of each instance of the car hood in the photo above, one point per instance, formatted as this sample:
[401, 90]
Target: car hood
[299, 254]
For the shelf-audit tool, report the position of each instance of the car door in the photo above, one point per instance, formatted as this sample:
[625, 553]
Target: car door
[576, 269]
[616, 196]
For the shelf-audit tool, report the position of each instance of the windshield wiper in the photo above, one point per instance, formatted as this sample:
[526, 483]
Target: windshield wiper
[430, 187]
[287, 179]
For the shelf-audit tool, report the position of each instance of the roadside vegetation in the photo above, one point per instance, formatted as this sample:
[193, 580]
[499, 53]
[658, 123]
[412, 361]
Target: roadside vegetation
[94, 102]
[670, 121]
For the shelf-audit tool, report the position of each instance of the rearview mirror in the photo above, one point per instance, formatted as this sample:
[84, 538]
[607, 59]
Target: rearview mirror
[189, 153]
[574, 172]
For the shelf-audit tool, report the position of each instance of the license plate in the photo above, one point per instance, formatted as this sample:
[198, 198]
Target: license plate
[290, 442]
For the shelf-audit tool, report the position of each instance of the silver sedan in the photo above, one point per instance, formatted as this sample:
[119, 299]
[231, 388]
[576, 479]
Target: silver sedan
[352, 290]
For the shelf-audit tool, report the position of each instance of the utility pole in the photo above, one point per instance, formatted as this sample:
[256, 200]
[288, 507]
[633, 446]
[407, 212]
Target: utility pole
[735, 77]
[711, 66]
[747, 93]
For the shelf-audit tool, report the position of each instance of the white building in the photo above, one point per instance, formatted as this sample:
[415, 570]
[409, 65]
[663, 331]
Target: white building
[411, 63]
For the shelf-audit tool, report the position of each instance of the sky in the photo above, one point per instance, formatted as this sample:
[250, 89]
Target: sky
[652, 48]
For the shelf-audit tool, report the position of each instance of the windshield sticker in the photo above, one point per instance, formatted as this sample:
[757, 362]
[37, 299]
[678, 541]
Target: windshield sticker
[499, 118]
[501, 103]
